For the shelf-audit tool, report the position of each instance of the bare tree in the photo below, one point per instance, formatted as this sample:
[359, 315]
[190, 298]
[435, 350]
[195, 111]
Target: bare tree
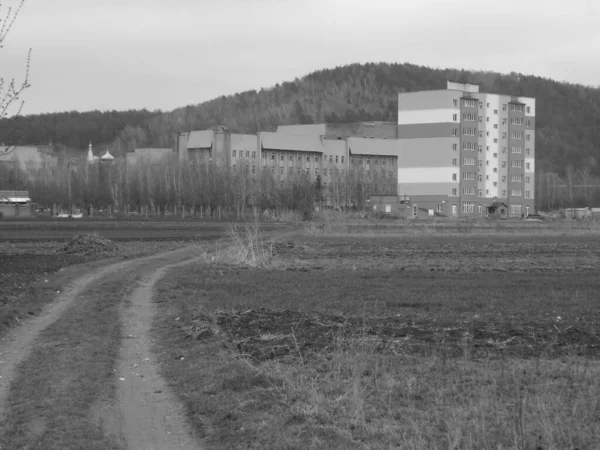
[10, 90]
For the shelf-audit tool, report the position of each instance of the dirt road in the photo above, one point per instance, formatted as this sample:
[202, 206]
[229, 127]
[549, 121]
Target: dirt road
[148, 415]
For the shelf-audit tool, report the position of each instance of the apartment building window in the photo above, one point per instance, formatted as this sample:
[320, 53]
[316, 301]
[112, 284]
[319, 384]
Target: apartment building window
[453, 177]
[351, 160]
[504, 107]
[469, 116]
[496, 125]
[487, 148]
[503, 193]
[527, 166]
[527, 137]
[528, 109]
[504, 121]
[264, 155]
[527, 151]
[316, 158]
[454, 102]
[299, 158]
[480, 133]
[272, 155]
[468, 207]
[316, 171]
[468, 161]
[281, 157]
[469, 176]
[487, 163]
[528, 123]
[495, 140]
[487, 119]
[516, 149]
[454, 192]
[487, 177]
[518, 108]
[253, 155]
[480, 194]
[454, 147]
[469, 104]
[480, 105]
[454, 117]
[503, 149]
[480, 119]
[480, 163]
[527, 194]
[495, 184]
[487, 105]
[247, 153]
[468, 190]
[527, 180]
[516, 178]
[503, 135]
[367, 161]
[342, 159]
[495, 170]
[516, 208]
[454, 162]
[517, 163]
[469, 131]
[455, 132]
[337, 159]
[516, 120]
[281, 170]
[517, 135]
[480, 178]
[233, 153]
[330, 158]
[504, 178]
[495, 155]
[253, 169]
[496, 111]
[487, 192]
[233, 167]
[469, 145]
[290, 170]
[481, 149]
[503, 164]
[487, 133]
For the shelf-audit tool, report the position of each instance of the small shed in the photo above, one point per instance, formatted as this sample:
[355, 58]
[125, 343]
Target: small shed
[497, 209]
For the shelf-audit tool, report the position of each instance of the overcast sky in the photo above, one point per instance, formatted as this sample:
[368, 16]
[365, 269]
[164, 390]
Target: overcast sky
[124, 54]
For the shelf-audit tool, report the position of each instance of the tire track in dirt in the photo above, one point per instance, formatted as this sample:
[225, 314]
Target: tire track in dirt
[16, 345]
[151, 416]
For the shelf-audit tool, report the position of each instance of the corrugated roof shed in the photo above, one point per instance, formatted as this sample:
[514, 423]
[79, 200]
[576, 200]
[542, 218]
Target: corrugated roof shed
[367, 146]
[200, 139]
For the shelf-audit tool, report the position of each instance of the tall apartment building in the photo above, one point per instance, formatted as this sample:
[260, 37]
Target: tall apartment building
[464, 150]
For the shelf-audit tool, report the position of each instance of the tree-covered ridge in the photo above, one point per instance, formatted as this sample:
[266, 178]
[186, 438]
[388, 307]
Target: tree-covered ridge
[74, 129]
[567, 119]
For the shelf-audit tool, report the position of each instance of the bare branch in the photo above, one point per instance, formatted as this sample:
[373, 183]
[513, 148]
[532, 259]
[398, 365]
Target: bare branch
[10, 91]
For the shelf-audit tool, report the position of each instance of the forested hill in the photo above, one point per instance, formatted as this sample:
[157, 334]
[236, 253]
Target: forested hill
[568, 115]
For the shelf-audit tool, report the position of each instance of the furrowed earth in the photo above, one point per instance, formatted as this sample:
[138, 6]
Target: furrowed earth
[341, 334]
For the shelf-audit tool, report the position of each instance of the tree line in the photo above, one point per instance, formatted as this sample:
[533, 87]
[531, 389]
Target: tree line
[566, 122]
[190, 187]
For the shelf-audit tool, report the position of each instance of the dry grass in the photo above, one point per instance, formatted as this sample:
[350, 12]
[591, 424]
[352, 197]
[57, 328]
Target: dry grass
[248, 247]
[513, 379]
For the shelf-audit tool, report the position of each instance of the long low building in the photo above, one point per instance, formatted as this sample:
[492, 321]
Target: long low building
[289, 154]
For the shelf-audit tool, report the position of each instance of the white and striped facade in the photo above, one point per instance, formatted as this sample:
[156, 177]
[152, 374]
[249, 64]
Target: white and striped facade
[467, 149]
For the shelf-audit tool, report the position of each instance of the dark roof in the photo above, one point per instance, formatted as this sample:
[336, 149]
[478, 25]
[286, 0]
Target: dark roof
[497, 204]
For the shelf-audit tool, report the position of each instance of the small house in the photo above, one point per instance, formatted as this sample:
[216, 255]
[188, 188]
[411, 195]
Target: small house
[498, 210]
